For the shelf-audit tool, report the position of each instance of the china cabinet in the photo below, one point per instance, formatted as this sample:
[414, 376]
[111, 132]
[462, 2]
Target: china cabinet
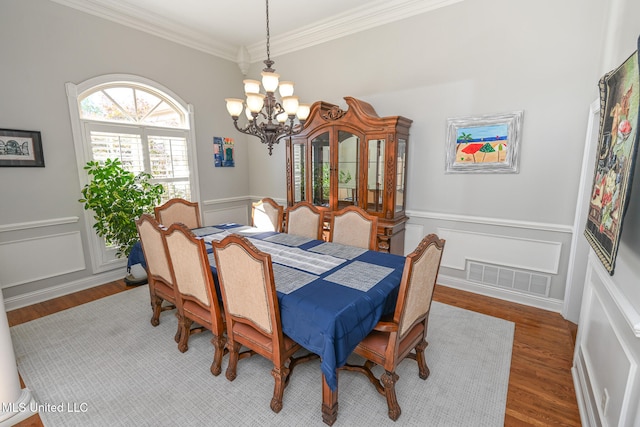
[352, 157]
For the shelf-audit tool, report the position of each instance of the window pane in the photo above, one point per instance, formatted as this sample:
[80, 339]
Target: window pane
[98, 106]
[145, 104]
[124, 98]
[126, 147]
[168, 157]
[131, 104]
[176, 189]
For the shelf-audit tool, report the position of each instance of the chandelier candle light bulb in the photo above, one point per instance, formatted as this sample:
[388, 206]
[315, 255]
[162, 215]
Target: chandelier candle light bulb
[277, 117]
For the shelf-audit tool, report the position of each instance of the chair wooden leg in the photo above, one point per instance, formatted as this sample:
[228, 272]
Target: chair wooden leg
[176, 338]
[389, 380]
[156, 306]
[280, 375]
[234, 348]
[218, 352]
[185, 330]
[422, 363]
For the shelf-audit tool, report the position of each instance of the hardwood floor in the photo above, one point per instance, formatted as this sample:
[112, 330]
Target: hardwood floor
[541, 391]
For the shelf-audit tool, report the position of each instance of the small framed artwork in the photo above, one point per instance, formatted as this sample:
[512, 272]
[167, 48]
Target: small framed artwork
[223, 152]
[20, 148]
[484, 144]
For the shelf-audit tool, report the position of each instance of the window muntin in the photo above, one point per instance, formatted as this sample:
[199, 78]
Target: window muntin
[142, 127]
[131, 104]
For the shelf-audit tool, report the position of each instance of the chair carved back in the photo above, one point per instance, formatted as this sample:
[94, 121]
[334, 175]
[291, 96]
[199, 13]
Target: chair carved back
[304, 219]
[179, 210]
[246, 282]
[268, 215]
[418, 283]
[153, 249]
[354, 227]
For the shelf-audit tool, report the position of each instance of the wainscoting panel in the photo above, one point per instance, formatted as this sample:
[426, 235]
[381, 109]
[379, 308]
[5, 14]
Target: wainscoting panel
[607, 356]
[27, 260]
[536, 255]
[412, 236]
[238, 214]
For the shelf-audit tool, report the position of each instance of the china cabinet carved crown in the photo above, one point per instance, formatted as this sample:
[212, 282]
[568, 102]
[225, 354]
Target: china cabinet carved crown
[353, 157]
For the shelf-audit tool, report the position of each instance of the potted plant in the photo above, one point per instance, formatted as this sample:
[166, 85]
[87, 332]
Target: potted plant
[117, 198]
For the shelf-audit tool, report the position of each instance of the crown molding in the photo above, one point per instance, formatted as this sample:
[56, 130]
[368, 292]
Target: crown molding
[153, 23]
[352, 21]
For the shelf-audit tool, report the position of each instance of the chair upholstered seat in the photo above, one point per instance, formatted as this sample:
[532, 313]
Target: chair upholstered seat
[247, 332]
[377, 341]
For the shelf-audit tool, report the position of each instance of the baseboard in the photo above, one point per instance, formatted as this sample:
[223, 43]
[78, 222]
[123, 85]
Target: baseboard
[35, 297]
[504, 294]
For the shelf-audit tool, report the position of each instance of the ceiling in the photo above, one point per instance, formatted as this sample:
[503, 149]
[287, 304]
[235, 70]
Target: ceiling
[236, 29]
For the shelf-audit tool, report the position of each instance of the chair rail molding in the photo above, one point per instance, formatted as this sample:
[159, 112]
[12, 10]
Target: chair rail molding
[530, 225]
[38, 224]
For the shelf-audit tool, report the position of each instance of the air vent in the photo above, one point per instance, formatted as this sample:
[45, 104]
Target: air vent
[503, 277]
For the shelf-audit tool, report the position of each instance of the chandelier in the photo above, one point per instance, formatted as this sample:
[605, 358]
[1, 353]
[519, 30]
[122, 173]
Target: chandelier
[269, 119]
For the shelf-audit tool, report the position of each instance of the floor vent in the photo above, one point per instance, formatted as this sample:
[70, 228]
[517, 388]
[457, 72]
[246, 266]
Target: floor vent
[518, 280]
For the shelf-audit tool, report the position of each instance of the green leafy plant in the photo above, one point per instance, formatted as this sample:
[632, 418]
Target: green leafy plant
[117, 198]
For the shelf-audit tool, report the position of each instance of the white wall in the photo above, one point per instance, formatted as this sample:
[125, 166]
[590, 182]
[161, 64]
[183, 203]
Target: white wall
[43, 45]
[472, 58]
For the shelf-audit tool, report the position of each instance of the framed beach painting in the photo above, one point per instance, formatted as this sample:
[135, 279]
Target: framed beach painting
[484, 144]
[616, 157]
[21, 148]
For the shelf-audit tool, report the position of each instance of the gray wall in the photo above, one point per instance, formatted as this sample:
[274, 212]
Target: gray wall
[472, 58]
[43, 45]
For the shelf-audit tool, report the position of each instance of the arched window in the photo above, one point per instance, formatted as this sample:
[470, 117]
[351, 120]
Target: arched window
[141, 123]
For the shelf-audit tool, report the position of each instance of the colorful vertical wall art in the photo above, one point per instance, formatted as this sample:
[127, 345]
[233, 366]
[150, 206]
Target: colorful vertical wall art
[617, 152]
[223, 155]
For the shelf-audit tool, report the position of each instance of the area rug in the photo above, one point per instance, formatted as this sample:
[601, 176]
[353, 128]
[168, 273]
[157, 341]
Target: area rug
[103, 364]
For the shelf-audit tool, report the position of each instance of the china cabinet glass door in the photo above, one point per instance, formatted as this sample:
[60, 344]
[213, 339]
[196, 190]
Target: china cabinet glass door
[321, 172]
[299, 172]
[348, 156]
[375, 175]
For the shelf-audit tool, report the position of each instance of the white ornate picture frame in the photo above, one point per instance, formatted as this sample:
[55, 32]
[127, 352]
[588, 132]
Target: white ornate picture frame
[484, 144]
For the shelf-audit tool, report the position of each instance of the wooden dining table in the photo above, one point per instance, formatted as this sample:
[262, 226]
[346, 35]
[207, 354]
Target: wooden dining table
[330, 295]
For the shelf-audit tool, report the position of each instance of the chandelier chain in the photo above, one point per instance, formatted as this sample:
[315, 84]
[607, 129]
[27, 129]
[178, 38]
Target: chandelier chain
[268, 35]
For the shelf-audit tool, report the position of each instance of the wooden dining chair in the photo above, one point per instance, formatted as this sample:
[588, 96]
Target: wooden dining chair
[161, 286]
[267, 215]
[391, 341]
[179, 210]
[304, 219]
[252, 311]
[196, 296]
[354, 227]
